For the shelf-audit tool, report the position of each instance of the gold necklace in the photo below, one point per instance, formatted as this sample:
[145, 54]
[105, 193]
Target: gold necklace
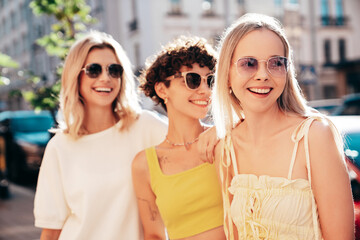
[180, 144]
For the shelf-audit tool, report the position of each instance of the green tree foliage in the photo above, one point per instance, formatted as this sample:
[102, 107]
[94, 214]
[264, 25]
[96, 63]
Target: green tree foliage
[72, 18]
[6, 62]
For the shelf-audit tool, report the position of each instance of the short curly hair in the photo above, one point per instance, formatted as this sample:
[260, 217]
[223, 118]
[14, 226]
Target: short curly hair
[183, 51]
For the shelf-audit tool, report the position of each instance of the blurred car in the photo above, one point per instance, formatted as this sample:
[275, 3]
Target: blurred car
[25, 135]
[349, 106]
[349, 126]
[326, 106]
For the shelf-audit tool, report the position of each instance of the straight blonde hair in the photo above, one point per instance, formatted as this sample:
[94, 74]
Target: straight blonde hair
[227, 109]
[125, 107]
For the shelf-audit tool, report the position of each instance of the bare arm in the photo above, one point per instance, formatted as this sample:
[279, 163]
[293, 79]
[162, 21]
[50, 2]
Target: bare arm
[50, 234]
[331, 184]
[206, 144]
[149, 212]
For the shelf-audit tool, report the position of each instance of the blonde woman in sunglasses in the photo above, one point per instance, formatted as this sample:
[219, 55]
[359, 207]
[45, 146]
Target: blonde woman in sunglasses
[281, 164]
[178, 194]
[84, 189]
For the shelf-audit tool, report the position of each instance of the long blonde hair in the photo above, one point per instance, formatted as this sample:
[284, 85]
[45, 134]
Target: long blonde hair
[227, 109]
[125, 107]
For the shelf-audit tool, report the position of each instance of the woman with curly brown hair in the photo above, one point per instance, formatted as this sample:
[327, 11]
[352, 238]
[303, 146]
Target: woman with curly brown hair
[174, 188]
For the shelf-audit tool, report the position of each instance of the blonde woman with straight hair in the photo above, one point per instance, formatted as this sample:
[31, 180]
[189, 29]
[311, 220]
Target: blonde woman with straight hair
[84, 188]
[281, 164]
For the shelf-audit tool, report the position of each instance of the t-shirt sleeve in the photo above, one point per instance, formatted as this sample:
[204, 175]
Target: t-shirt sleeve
[50, 208]
[154, 128]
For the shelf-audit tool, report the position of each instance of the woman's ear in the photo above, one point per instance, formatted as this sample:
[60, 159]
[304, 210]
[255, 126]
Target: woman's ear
[161, 90]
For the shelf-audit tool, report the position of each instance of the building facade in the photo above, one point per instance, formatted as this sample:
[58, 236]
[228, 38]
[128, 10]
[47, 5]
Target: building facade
[19, 29]
[323, 34]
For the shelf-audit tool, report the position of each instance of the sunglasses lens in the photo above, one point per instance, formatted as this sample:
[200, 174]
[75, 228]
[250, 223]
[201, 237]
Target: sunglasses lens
[193, 80]
[210, 80]
[247, 66]
[115, 70]
[277, 66]
[93, 70]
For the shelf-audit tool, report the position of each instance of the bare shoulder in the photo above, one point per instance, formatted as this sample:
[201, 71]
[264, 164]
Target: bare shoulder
[320, 132]
[325, 145]
[139, 164]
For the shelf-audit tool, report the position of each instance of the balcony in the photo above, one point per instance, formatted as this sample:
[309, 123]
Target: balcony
[334, 21]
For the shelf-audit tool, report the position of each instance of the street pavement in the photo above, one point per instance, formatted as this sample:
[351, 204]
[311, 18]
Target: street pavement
[16, 215]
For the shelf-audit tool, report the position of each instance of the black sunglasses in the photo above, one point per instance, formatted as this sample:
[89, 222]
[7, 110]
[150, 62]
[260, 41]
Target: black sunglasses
[193, 80]
[93, 70]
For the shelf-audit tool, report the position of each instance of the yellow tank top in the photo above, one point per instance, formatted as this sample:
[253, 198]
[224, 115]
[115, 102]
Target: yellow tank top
[189, 202]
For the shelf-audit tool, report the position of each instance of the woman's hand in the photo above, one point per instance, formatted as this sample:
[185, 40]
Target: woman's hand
[50, 234]
[206, 144]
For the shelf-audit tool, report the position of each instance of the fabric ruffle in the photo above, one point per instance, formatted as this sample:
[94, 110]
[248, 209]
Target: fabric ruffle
[269, 207]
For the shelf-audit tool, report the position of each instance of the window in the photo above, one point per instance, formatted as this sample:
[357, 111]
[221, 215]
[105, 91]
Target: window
[342, 50]
[325, 20]
[241, 7]
[12, 20]
[278, 3]
[24, 12]
[137, 58]
[175, 7]
[7, 25]
[339, 12]
[15, 47]
[207, 7]
[2, 28]
[133, 25]
[327, 51]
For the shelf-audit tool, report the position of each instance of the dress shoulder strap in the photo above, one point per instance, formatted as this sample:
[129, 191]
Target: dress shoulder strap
[231, 154]
[296, 137]
[302, 131]
[226, 160]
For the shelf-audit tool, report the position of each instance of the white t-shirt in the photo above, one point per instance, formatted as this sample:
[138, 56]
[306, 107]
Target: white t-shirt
[85, 186]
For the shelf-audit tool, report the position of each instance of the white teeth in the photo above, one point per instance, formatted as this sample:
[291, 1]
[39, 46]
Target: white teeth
[102, 89]
[200, 102]
[260, 90]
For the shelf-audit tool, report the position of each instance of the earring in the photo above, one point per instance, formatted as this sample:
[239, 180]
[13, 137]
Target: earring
[116, 108]
[230, 91]
[165, 100]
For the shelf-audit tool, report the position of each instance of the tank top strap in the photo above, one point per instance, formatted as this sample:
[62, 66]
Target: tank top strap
[153, 163]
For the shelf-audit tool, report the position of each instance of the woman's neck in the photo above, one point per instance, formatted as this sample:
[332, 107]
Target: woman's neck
[183, 130]
[258, 127]
[98, 119]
